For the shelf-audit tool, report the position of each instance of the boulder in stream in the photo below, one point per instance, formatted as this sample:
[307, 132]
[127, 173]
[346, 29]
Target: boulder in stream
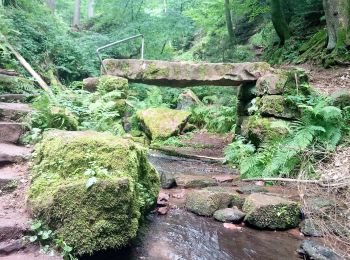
[194, 181]
[229, 215]
[271, 212]
[162, 123]
[206, 202]
[91, 188]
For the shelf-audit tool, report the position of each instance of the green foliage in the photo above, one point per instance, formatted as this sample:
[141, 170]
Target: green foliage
[48, 240]
[238, 150]
[219, 119]
[320, 128]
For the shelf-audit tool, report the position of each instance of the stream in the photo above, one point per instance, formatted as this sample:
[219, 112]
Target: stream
[181, 235]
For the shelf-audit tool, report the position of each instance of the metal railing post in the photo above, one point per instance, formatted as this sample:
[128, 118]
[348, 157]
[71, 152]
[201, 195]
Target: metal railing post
[118, 42]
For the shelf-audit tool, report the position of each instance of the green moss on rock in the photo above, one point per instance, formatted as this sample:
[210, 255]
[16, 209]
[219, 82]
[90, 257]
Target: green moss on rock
[162, 123]
[276, 106]
[108, 84]
[206, 202]
[105, 215]
[259, 129]
[271, 212]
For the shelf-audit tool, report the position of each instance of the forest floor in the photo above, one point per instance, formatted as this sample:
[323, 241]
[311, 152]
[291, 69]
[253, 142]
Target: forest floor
[328, 81]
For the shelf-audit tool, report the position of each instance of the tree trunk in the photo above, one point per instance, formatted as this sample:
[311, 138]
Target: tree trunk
[279, 21]
[338, 25]
[229, 21]
[76, 17]
[51, 4]
[9, 2]
[91, 8]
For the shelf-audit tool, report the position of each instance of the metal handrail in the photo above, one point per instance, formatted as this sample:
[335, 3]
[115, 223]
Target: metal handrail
[118, 42]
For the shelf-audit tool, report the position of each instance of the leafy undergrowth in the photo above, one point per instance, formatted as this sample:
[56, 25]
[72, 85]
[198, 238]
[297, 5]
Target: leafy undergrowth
[318, 131]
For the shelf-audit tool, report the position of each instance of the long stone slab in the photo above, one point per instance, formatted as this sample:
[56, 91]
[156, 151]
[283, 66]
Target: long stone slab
[184, 74]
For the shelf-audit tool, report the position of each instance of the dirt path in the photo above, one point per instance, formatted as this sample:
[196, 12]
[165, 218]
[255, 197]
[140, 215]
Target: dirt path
[328, 81]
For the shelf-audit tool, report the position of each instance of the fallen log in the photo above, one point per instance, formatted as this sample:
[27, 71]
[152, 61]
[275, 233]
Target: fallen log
[8, 72]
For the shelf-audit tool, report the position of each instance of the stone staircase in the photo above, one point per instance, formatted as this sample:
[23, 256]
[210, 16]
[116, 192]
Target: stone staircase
[14, 181]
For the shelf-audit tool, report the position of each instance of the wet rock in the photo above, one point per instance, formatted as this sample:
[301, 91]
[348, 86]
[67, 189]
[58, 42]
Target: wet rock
[162, 210]
[312, 250]
[163, 199]
[229, 215]
[179, 74]
[271, 212]
[194, 181]
[308, 228]
[162, 123]
[233, 227]
[225, 178]
[167, 180]
[249, 189]
[206, 202]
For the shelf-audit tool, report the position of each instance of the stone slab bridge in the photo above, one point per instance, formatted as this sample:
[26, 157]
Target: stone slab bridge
[185, 74]
[261, 88]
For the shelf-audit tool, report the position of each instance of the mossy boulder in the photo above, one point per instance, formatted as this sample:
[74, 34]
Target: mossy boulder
[271, 212]
[280, 82]
[341, 99]
[277, 106]
[91, 188]
[162, 123]
[229, 215]
[262, 129]
[108, 84]
[206, 202]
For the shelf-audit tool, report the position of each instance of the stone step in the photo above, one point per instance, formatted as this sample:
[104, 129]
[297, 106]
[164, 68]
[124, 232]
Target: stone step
[11, 246]
[12, 226]
[14, 98]
[10, 132]
[9, 179]
[10, 153]
[13, 111]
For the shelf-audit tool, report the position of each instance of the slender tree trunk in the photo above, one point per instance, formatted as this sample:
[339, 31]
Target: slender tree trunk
[91, 8]
[229, 21]
[51, 4]
[279, 21]
[338, 25]
[9, 2]
[165, 6]
[76, 17]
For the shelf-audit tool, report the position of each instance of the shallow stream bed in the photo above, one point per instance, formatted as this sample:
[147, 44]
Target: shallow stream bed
[181, 235]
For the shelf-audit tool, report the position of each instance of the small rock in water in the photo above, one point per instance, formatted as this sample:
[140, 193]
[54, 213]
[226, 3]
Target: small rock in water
[163, 199]
[194, 181]
[162, 210]
[259, 183]
[229, 215]
[179, 195]
[233, 227]
[312, 250]
[249, 189]
[224, 178]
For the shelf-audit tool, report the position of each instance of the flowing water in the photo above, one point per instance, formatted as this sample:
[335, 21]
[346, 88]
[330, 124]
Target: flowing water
[181, 235]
